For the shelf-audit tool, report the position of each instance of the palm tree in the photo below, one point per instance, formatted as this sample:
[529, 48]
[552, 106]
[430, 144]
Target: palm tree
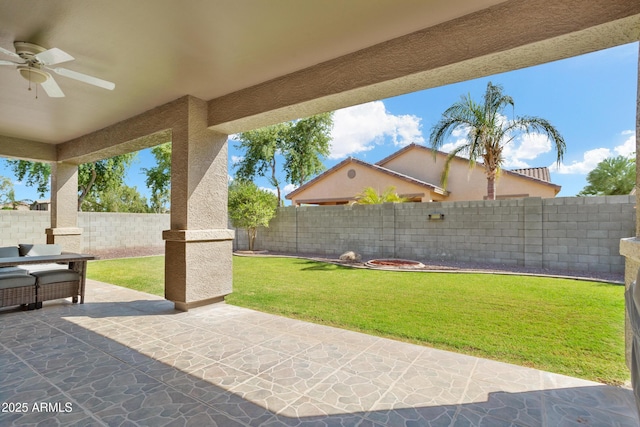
[612, 176]
[488, 133]
[369, 196]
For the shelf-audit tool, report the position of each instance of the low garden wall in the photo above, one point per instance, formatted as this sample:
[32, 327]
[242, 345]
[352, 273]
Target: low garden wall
[573, 233]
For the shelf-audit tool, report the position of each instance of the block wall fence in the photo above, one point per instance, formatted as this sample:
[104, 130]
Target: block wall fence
[100, 231]
[573, 233]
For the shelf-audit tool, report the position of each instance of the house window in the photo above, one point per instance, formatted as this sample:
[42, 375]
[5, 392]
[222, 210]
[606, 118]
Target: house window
[351, 173]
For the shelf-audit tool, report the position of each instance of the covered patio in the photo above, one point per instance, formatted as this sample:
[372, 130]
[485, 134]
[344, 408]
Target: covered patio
[194, 72]
[128, 358]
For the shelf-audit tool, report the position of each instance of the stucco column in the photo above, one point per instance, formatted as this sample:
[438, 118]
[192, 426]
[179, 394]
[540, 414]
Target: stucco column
[198, 257]
[630, 248]
[64, 208]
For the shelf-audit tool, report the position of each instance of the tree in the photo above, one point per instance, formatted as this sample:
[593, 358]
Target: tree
[98, 178]
[302, 143]
[250, 207]
[612, 176]
[369, 196]
[36, 174]
[260, 149]
[488, 132]
[7, 194]
[93, 178]
[159, 178]
[307, 143]
[119, 199]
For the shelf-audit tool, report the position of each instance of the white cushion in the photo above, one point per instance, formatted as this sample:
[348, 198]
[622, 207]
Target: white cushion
[39, 249]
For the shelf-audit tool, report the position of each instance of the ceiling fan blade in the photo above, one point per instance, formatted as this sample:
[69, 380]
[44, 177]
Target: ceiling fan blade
[51, 87]
[84, 78]
[4, 62]
[54, 56]
[8, 52]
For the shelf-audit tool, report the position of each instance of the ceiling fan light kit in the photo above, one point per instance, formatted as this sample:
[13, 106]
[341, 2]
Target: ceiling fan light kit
[32, 60]
[33, 75]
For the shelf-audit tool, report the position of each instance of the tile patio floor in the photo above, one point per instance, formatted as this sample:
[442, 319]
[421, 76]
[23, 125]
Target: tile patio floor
[126, 358]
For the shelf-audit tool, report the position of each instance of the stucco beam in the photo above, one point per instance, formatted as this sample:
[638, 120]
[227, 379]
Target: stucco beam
[23, 149]
[145, 130]
[508, 36]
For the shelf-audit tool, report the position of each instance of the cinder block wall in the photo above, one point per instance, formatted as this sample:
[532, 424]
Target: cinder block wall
[23, 227]
[573, 233]
[101, 231]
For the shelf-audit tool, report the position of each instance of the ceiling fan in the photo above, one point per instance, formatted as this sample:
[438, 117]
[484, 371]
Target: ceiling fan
[34, 62]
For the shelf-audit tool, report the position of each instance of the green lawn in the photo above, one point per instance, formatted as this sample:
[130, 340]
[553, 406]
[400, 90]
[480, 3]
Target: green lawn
[565, 326]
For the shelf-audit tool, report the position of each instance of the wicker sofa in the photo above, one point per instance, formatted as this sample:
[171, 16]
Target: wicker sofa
[30, 285]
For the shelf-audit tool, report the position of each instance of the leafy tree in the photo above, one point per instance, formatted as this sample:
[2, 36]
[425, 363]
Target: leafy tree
[250, 207]
[103, 176]
[488, 132]
[369, 196]
[307, 143]
[612, 176]
[302, 143]
[7, 194]
[93, 178]
[260, 149]
[36, 174]
[159, 178]
[119, 199]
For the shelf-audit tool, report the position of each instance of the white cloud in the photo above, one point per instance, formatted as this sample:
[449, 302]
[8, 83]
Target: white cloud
[269, 189]
[450, 146]
[236, 159]
[525, 147]
[591, 158]
[628, 147]
[589, 161]
[357, 129]
[289, 188]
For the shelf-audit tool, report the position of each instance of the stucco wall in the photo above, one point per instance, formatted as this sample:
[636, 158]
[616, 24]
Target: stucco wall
[101, 231]
[575, 233]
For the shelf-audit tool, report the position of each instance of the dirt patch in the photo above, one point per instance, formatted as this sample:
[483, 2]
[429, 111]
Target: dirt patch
[454, 266]
[128, 252]
[394, 263]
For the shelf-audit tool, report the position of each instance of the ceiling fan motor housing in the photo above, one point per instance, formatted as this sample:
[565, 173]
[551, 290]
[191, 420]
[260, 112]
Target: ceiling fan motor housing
[28, 51]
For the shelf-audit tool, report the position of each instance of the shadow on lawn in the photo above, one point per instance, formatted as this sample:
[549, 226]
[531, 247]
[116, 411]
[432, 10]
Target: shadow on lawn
[320, 266]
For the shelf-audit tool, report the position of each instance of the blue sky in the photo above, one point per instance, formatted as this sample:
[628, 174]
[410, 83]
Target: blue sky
[590, 99]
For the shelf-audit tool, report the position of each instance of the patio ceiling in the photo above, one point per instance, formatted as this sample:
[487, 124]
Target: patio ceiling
[259, 62]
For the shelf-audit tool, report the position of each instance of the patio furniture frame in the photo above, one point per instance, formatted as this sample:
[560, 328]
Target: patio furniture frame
[23, 295]
[58, 290]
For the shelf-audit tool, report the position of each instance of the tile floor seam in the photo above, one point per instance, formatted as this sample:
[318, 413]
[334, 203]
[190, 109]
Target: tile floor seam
[388, 390]
[577, 405]
[175, 389]
[469, 380]
[67, 395]
[306, 391]
[454, 419]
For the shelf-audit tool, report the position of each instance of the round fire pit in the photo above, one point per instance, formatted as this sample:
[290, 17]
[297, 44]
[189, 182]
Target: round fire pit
[394, 263]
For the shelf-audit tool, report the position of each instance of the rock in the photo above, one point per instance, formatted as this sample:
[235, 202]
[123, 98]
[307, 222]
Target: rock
[350, 256]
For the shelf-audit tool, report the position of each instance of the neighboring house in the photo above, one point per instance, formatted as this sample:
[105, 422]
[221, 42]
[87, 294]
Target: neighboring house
[41, 205]
[416, 174]
[19, 206]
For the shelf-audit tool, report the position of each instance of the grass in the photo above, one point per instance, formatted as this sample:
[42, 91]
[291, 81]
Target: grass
[570, 327]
